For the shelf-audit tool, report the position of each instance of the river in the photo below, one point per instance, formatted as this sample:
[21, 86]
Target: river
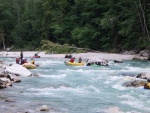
[68, 89]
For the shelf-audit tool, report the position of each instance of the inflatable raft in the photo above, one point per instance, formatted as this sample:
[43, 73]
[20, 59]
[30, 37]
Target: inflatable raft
[36, 57]
[74, 63]
[29, 66]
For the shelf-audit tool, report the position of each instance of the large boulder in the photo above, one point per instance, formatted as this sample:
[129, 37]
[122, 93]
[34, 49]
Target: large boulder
[99, 62]
[4, 83]
[18, 70]
[144, 53]
[134, 82]
[143, 75]
[128, 53]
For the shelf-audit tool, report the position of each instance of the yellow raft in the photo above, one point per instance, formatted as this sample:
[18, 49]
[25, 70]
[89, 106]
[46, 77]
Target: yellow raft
[74, 63]
[29, 66]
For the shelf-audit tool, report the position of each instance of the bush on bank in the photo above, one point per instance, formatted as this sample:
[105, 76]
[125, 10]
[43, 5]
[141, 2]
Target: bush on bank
[51, 47]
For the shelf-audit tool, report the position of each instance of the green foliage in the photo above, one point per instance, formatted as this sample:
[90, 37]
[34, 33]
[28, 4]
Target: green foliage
[96, 24]
[84, 36]
[51, 47]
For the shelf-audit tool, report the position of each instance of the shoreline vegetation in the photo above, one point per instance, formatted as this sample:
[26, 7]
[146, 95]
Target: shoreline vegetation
[48, 49]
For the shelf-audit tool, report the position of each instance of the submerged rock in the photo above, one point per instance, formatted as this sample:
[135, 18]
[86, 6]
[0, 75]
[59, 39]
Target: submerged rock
[35, 74]
[9, 100]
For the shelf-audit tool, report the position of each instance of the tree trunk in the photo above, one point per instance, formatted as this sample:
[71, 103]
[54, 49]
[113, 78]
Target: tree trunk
[144, 20]
[3, 41]
[142, 26]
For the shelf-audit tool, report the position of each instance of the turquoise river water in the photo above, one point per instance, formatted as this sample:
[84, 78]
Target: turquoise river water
[68, 89]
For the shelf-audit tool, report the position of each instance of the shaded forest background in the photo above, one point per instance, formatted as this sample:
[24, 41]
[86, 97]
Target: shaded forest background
[103, 25]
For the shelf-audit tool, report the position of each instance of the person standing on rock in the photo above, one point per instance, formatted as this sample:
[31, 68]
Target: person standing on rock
[21, 57]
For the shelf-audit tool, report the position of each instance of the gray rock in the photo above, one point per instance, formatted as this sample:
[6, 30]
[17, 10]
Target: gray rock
[143, 75]
[118, 61]
[144, 53]
[44, 108]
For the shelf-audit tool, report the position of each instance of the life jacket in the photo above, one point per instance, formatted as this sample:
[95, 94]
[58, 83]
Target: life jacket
[32, 61]
[25, 61]
[17, 60]
[148, 84]
[72, 60]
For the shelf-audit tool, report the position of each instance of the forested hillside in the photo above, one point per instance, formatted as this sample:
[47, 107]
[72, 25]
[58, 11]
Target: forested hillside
[96, 24]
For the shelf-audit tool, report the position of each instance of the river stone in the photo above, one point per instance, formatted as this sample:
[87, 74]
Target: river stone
[18, 69]
[44, 108]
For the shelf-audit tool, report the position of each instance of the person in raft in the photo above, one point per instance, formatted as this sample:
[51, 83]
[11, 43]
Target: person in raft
[72, 59]
[17, 60]
[80, 60]
[36, 54]
[24, 60]
[32, 61]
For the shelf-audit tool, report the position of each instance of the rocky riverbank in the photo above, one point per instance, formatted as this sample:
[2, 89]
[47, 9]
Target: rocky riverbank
[89, 55]
[10, 73]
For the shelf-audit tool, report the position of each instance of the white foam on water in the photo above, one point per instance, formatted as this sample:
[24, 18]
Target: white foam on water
[70, 71]
[112, 80]
[137, 69]
[57, 90]
[136, 104]
[42, 94]
[45, 70]
[147, 69]
[48, 91]
[48, 62]
[107, 82]
[119, 87]
[18, 86]
[126, 97]
[40, 89]
[143, 95]
[113, 110]
[54, 76]
[92, 89]
[77, 90]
